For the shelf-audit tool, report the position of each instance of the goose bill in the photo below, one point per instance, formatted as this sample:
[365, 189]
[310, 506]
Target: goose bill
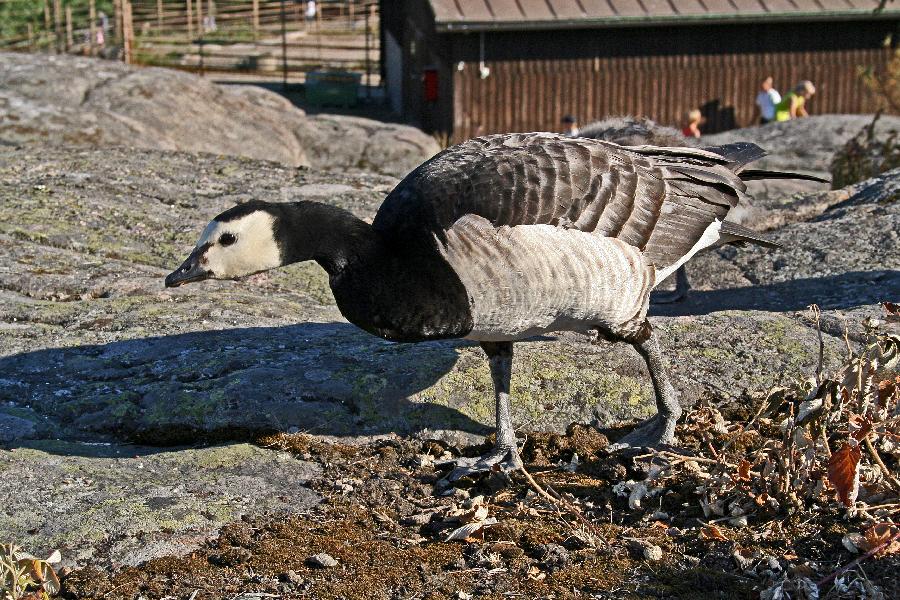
[190, 271]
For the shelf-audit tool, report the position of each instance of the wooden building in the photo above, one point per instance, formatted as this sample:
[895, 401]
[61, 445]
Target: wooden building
[463, 68]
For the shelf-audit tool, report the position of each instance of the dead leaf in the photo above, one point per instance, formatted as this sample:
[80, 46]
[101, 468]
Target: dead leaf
[711, 532]
[743, 472]
[465, 532]
[892, 311]
[881, 534]
[860, 426]
[843, 472]
[887, 389]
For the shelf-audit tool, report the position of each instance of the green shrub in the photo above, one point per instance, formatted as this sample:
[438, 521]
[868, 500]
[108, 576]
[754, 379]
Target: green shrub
[866, 155]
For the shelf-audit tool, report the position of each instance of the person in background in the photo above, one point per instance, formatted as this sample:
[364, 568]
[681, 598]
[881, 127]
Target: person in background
[570, 126]
[692, 123]
[766, 100]
[793, 105]
[102, 28]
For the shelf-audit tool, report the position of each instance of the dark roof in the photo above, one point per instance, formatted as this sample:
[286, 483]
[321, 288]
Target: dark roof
[487, 15]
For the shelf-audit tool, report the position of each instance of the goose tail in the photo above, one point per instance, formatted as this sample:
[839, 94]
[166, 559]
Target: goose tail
[731, 233]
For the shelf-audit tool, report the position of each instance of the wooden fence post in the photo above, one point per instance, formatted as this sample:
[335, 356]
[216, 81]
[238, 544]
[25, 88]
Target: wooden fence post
[117, 21]
[190, 19]
[92, 15]
[57, 25]
[159, 15]
[47, 15]
[200, 18]
[30, 37]
[70, 41]
[255, 19]
[127, 31]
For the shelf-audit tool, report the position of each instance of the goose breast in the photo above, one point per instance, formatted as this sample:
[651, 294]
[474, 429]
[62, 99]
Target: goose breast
[526, 280]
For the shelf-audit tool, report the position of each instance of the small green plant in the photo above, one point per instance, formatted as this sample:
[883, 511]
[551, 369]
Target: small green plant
[26, 577]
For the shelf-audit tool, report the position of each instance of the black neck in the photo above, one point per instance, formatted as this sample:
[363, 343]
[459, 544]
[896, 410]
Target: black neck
[331, 236]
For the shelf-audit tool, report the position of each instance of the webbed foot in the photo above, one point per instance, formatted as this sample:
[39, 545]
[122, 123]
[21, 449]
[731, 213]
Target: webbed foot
[652, 433]
[506, 458]
[670, 297]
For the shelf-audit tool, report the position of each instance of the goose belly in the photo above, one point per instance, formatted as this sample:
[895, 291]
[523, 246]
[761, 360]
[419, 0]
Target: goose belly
[531, 279]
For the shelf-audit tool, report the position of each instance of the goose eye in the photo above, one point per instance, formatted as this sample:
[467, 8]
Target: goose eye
[227, 239]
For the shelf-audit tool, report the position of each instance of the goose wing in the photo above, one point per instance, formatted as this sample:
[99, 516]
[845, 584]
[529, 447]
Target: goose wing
[660, 200]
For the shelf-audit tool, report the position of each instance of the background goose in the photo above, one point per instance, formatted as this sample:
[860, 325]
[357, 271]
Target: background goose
[502, 238]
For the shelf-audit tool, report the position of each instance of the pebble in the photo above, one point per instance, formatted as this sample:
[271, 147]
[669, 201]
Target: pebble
[291, 577]
[322, 561]
[653, 552]
[553, 557]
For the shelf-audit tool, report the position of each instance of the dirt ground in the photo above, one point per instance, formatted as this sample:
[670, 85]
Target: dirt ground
[387, 514]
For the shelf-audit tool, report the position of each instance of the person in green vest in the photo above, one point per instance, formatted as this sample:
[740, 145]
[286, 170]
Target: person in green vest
[792, 106]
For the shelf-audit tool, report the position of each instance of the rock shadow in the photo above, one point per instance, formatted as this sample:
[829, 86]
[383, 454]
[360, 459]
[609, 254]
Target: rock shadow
[208, 386]
[834, 292]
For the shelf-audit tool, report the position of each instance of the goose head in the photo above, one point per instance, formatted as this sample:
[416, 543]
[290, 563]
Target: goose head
[241, 241]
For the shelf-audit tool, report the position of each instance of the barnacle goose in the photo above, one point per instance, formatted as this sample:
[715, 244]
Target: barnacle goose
[502, 238]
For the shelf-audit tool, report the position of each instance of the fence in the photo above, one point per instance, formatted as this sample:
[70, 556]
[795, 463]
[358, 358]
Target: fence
[263, 39]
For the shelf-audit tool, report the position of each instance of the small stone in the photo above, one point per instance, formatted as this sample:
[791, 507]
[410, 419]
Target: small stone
[645, 550]
[322, 561]
[653, 552]
[553, 557]
[291, 577]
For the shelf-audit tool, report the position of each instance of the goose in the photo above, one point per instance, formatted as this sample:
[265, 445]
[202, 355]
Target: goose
[502, 238]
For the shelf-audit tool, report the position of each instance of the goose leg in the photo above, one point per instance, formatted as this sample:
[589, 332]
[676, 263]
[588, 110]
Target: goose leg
[505, 452]
[682, 287]
[660, 429]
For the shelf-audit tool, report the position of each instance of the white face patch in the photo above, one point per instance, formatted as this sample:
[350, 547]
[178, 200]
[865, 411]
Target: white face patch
[253, 249]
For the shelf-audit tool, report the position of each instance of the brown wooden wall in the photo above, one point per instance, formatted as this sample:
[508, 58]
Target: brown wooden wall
[534, 95]
[534, 82]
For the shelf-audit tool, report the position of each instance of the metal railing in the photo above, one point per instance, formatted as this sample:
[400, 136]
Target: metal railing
[259, 39]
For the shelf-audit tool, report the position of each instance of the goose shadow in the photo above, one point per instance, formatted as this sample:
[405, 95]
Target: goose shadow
[835, 292]
[209, 386]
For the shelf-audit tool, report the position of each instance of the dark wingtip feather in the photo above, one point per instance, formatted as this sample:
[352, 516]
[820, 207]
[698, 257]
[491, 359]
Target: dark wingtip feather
[752, 174]
[738, 155]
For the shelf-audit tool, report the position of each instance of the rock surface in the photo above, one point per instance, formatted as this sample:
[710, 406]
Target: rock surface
[111, 505]
[93, 349]
[66, 100]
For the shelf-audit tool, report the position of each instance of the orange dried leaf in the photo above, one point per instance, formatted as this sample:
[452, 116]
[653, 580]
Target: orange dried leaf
[843, 473]
[711, 532]
[887, 389]
[743, 473]
[886, 535]
[862, 425]
[892, 310]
